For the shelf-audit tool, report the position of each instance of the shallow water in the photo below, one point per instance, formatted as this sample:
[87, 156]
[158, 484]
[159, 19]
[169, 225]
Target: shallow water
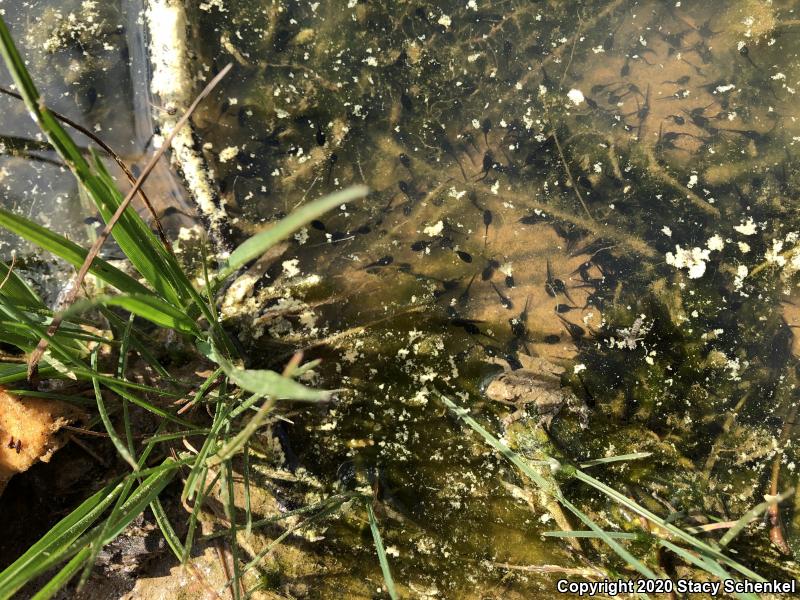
[623, 148]
[610, 186]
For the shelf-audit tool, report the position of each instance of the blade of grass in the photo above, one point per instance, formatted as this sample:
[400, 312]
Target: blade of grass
[194, 518]
[172, 539]
[267, 383]
[384, 562]
[248, 513]
[122, 366]
[63, 576]
[613, 459]
[17, 290]
[616, 535]
[29, 565]
[230, 514]
[150, 307]
[122, 450]
[261, 242]
[751, 515]
[70, 252]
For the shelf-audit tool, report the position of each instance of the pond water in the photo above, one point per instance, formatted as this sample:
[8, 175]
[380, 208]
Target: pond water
[601, 194]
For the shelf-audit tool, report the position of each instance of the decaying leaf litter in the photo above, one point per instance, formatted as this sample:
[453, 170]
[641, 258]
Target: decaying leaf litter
[607, 187]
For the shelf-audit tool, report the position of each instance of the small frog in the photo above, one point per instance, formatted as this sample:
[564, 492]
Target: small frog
[537, 384]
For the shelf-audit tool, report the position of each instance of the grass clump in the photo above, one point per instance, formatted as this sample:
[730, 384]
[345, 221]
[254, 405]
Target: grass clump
[158, 298]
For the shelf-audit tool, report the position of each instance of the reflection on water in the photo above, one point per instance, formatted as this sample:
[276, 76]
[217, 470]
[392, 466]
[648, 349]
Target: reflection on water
[604, 187]
[89, 62]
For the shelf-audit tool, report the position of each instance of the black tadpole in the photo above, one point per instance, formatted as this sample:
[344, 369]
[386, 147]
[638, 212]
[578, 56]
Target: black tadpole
[576, 332]
[420, 245]
[487, 220]
[504, 300]
[384, 261]
[486, 127]
[488, 271]
[464, 296]
[466, 257]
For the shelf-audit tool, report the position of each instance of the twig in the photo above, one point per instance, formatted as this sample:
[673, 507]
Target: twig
[117, 159]
[569, 174]
[572, 52]
[10, 270]
[98, 244]
[776, 535]
[578, 572]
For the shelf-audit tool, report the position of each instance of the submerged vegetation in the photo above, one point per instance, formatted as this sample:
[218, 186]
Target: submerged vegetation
[559, 326]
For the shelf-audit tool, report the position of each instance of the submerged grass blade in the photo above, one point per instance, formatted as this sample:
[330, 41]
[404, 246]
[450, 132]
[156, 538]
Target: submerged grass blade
[261, 242]
[616, 535]
[709, 553]
[752, 514]
[384, 562]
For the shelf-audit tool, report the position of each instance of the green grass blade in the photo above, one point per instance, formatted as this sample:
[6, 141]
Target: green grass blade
[30, 564]
[616, 535]
[384, 562]
[70, 252]
[122, 366]
[261, 242]
[248, 512]
[230, 514]
[752, 514]
[17, 290]
[613, 459]
[13, 372]
[112, 433]
[172, 539]
[269, 383]
[61, 578]
[149, 307]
